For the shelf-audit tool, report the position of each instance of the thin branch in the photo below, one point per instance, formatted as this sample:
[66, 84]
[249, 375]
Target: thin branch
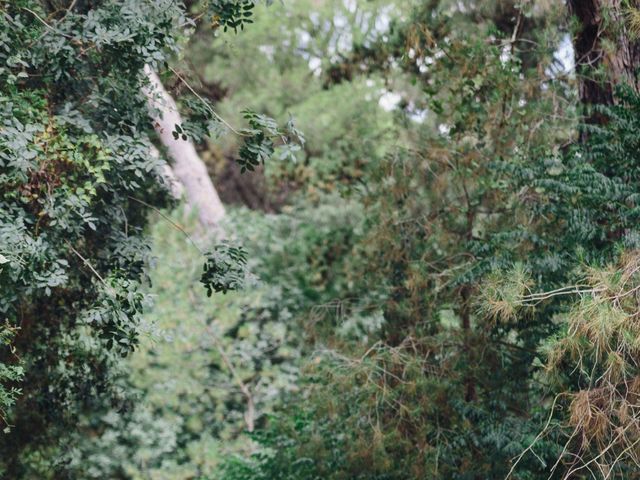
[174, 224]
[53, 29]
[110, 290]
[211, 110]
[535, 440]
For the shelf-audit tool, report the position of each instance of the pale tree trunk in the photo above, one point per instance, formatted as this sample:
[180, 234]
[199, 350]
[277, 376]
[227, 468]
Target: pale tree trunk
[188, 168]
[605, 50]
[174, 185]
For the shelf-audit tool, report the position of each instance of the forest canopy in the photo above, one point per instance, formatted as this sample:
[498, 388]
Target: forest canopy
[319, 239]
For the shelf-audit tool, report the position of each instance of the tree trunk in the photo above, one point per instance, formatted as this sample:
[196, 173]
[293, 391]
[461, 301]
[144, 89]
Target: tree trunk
[175, 187]
[605, 51]
[188, 168]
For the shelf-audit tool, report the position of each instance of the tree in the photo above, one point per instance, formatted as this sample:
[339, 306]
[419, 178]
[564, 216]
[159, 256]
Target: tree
[590, 363]
[442, 386]
[77, 183]
[188, 169]
[189, 416]
[607, 51]
[450, 290]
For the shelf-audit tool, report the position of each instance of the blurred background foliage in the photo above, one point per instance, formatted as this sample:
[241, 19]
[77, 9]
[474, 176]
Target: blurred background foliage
[389, 327]
[283, 66]
[356, 342]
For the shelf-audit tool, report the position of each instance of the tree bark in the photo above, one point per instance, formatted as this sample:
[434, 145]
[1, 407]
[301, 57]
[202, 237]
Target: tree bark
[606, 52]
[174, 185]
[188, 168]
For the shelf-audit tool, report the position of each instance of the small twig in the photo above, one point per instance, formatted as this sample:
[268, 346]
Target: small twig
[110, 290]
[569, 290]
[53, 29]
[174, 224]
[516, 30]
[73, 4]
[211, 110]
[535, 440]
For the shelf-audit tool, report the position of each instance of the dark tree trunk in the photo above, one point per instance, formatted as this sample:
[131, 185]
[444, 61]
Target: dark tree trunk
[606, 52]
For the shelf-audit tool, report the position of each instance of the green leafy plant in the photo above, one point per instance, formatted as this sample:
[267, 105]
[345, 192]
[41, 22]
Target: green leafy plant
[232, 14]
[225, 269]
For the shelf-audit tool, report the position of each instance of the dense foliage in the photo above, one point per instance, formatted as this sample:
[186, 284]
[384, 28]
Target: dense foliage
[438, 278]
[75, 156]
[77, 182]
